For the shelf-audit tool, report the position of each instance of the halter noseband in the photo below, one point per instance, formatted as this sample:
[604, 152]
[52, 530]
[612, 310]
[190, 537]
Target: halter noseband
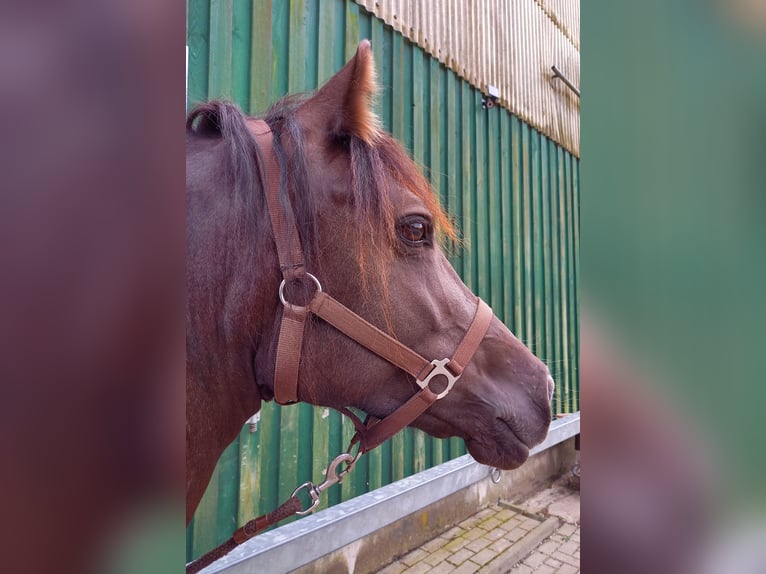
[374, 431]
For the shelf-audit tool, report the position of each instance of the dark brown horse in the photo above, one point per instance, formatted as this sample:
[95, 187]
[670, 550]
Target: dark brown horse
[370, 227]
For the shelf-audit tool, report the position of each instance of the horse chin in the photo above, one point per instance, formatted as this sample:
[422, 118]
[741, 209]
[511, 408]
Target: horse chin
[497, 446]
[505, 453]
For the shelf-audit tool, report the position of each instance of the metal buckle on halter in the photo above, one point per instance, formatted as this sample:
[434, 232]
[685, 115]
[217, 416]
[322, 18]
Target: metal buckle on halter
[440, 368]
[297, 308]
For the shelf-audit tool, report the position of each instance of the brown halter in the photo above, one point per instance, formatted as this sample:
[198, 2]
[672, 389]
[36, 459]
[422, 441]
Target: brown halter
[374, 431]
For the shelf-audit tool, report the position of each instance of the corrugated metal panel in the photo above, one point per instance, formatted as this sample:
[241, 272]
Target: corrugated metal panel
[513, 191]
[509, 45]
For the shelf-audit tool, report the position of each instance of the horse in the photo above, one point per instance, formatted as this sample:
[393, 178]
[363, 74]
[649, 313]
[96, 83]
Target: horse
[371, 230]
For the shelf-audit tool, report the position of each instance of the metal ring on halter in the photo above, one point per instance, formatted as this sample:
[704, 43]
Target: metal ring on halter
[297, 307]
[495, 474]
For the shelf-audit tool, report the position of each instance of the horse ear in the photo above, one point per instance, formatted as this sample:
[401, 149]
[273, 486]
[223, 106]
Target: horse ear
[345, 101]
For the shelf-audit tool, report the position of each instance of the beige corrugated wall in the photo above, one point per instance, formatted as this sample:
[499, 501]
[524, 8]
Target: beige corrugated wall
[510, 45]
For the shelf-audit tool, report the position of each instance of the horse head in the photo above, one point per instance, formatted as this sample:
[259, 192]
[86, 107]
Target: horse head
[371, 232]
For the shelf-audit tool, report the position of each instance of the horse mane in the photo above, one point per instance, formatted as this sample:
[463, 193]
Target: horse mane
[374, 166]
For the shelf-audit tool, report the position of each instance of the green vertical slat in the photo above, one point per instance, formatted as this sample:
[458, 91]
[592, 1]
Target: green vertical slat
[506, 200]
[311, 27]
[297, 54]
[562, 295]
[481, 199]
[249, 473]
[204, 534]
[545, 224]
[537, 247]
[336, 445]
[240, 52]
[555, 273]
[260, 57]
[453, 164]
[228, 497]
[280, 35]
[190, 542]
[269, 454]
[467, 223]
[526, 202]
[418, 105]
[570, 274]
[352, 29]
[326, 33]
[576, 244]
[198, 40]
[494, 223]
[221, 14]
[516, 229]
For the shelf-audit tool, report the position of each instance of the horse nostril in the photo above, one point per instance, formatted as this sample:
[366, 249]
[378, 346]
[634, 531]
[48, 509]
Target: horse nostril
[551, 388]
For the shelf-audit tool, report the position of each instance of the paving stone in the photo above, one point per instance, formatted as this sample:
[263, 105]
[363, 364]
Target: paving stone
[484, 556]
[478, 544]
[566, 559]
[521, 569]
[470, 523]
[419, 568]
[466, 567]
[443, 568]
[474, 533]
[494, 534]
[500, 545]
[435, 557]
[549, 547]
[490, 523]
[569, 547]
[505, 514]
[511, 524]
[453, 532]
[515, 534]
[529, 523]
[456, 544]
[435, 544]
[393, 568]
[535, 559]
[485, 513]
[413, 557]
[567, 529]
[459, 557]
[553, 562]
[567, 569]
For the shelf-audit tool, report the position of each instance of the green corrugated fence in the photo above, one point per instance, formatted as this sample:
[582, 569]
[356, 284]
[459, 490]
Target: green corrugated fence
[513, 192]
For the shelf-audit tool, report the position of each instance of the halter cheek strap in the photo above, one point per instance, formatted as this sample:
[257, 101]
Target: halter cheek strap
[375, 431]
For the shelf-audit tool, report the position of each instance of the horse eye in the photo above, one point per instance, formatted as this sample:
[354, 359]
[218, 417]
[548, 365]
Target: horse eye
[414, 230]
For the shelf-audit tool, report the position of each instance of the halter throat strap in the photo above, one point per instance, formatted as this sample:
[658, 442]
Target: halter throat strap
[374, 431]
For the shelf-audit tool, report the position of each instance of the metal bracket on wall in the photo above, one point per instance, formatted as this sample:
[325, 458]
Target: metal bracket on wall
[489, 100]
[557, 74]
